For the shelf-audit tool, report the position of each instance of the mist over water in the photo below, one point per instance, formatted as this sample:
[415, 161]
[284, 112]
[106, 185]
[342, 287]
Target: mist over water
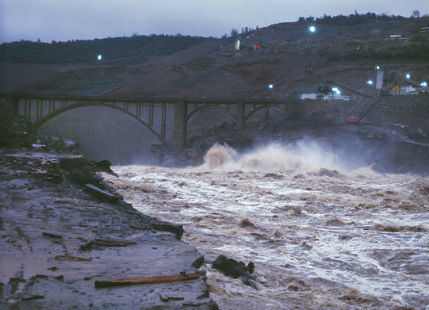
[305, 154]
[327, 232]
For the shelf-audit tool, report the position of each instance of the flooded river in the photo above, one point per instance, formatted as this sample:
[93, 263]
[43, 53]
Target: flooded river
[322, 235]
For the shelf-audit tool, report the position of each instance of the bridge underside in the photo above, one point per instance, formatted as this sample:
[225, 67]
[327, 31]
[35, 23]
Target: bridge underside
[167, 119]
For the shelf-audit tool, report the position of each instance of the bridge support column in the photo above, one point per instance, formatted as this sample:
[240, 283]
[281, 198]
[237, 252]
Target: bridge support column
[240, 115]
[180, 126]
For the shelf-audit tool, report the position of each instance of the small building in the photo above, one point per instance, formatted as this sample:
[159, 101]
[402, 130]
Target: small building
[394, 37]
[308, 96]
[394, 90]
[336, 97]
[408, 90]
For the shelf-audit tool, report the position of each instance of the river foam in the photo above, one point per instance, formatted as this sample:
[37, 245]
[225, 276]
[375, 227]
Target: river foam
[304, 155]
[323, 235]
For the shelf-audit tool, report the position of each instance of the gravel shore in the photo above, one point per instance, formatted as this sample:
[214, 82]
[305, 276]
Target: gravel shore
[59, 236]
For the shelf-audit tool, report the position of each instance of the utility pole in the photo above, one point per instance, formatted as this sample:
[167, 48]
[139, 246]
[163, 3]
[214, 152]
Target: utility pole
[379, 81]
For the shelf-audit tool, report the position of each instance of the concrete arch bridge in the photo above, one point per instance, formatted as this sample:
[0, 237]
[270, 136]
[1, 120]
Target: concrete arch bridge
[166, 118]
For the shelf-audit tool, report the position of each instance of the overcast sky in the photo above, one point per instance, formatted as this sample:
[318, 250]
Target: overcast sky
[63, 20]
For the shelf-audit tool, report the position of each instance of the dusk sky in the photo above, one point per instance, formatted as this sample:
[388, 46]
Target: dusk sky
[63, 20]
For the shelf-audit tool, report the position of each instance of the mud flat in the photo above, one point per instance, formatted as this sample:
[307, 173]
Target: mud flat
[59, 237]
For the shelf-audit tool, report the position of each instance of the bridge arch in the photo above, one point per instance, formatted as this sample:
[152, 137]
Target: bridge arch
[205, 107]
[44, 119]
[258, 109]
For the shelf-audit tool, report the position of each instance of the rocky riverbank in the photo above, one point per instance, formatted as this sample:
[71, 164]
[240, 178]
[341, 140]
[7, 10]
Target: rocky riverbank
[59, 236]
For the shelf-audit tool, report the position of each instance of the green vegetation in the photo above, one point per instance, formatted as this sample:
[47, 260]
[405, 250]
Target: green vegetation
[86, 51]
[201, 63]
[384, 50]
[355, 41]
[355, 19]
[14, 129]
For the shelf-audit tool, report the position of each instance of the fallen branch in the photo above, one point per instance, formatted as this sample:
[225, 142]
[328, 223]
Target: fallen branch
[64, 201]
[71, 257]
[163, 226]
[101, 207]
[114, 242]
[106, 243]
[100, 193]
[139, 227]
[132, 281]
[51, 235]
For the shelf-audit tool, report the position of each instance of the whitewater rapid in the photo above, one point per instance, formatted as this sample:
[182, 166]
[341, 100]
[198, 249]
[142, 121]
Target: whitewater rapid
[322, 235]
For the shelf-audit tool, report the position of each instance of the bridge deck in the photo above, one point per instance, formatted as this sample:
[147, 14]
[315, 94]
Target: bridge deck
[143, 99]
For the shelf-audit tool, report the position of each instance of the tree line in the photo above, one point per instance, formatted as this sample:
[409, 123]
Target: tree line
[86, 51]
[354, 19]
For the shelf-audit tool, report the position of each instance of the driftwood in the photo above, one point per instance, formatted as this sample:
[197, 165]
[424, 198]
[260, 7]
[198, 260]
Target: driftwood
[132, 281]
[176, 229]
[71, 257]
[51, 235]
[139, 227]
[100, 193]
[106, 243]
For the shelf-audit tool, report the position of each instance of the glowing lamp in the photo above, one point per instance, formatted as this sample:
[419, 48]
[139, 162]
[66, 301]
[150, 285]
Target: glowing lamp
[99, 57]
[370, 82]
[270, 86]
[407, 76]
[312, 29]
[424, 84]
[377, 67]
[336, 90]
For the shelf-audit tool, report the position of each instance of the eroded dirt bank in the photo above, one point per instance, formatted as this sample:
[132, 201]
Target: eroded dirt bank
[57, 239]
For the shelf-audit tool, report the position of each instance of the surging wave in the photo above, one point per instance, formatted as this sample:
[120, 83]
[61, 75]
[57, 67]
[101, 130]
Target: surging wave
[322, 232]
[304, 155]
[219, 155]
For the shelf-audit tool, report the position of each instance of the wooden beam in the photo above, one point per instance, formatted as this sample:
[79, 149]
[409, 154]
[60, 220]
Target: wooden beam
[146, 280]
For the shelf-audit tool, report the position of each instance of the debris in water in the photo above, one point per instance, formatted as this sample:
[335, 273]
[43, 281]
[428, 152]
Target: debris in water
[394, 228]
[332, 220]
[245, 222]
[232, 268]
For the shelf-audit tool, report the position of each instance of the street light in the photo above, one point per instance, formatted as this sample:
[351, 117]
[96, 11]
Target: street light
[407, 76]
[99, 57]
[336, 90]
[270, 86]
[370, 82]
[377, 67]
[312, 29]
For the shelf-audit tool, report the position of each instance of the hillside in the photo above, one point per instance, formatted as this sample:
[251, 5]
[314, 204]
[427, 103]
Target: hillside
[124, 50]
[343, 49]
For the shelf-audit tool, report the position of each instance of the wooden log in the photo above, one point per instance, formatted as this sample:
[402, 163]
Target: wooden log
[132, 281]
[139, 227]
[73, 258]
[106, 243]
[101, 194]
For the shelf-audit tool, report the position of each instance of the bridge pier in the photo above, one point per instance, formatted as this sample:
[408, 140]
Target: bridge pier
[166, 118]
[180, 126]
[240, 115]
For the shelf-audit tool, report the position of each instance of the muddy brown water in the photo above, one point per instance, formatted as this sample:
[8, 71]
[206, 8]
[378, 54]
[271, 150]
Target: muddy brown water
[321, 236]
